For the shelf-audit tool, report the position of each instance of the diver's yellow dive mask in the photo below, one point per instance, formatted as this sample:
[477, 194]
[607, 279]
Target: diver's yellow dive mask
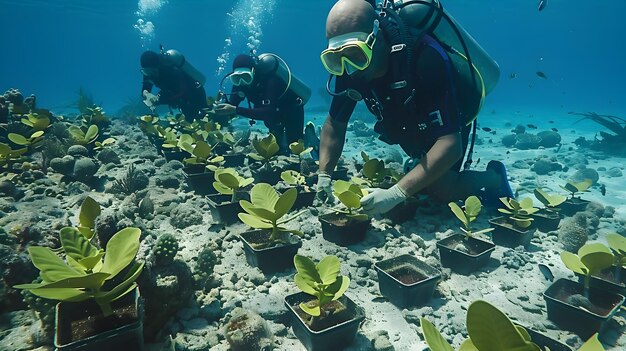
[349, 52]
[242, 76]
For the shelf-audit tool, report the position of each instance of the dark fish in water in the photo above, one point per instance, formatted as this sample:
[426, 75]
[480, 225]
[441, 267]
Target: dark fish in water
[486, 129]
[542, 5]
[311, 140]
[547, 273]
[531, 126]
[555, 130]
[603, 189]
[513, 75]
[550, 121]
[542, 75]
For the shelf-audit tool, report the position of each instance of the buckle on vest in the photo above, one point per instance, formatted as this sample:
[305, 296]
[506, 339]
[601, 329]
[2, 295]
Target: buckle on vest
[266, 102]
[398, 85]
[398, 47]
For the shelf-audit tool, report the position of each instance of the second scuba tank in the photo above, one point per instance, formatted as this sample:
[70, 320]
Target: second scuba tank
[272, 64]
[431, 17]
[178, 60]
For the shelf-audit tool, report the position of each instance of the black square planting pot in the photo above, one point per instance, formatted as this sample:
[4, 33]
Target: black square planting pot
[264, 176]
[234, 160]
[201, 183]
[583, 321]
[342, 230]
[574, 205]
[407, 281]
[547, 343]
[304, 199]
[171, 155]
[608, 280]
[460, 261]
[546, 221]
[269, 259]
[128, 336]
[404, 211]
[506, 234]
[340, 173]
[223, 211]
[336, 337]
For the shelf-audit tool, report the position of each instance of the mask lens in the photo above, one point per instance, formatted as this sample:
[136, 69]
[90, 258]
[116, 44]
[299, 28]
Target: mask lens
[355, 55]
[242, 77]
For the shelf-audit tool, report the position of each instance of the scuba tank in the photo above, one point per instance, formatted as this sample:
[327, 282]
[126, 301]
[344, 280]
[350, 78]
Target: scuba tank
[429, 16]
[271, 64]
[175, 58]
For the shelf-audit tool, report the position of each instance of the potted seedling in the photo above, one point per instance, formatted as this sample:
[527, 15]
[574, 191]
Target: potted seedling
[8, 156]
[515, 230]
[84, 136]
[225, 205]
[298, 149]
[407, 281]
[272, 246]
[30, 141]
[346, 226]
[227, 146]
[172, 146]
[574, 203]
[266, 149]
[580, 308]
[614, 278]
[201, 166]
[548, 218]
[306, 195]
[323, 318]
[489, 329]
[464, 253]
[100, 300]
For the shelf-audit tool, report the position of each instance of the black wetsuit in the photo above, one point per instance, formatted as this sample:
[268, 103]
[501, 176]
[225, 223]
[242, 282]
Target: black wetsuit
[283, 114]
[436, 111]
[178, 90]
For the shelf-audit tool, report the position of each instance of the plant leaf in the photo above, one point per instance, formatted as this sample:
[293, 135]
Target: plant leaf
[303, 285]
[573, 263]
[285, 202]
[51, 267]
[328, 269]
[254, 221]
[433, 337]
[76, 245]
[92, 133]
[593, 344]
[473, 206]
[89, 210]
[121, 250]
[18, 139]
[264, 196]
[306, 269]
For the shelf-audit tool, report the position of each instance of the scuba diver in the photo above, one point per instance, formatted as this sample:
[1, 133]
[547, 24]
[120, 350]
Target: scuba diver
[274, 95]
[180, 83]
[424, 79]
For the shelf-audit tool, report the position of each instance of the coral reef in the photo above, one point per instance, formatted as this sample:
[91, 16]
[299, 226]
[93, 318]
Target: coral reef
[165, 249]
[574, 233]
[247, 330]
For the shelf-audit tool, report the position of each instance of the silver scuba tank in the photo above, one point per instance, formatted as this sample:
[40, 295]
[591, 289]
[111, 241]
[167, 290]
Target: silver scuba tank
[429, 15]
[272, 64]
[177, 59]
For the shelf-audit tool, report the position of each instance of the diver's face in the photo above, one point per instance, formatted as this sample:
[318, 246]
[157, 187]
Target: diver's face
[378, 65]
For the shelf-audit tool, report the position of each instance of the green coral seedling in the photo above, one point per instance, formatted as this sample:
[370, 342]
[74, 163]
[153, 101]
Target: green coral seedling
[519, 211]
[574, 188]
[320, 280]
[550, 201]
[228, 182]
[591, 259]
[266, 209]
[86, 271]
[350, 194]
[84, 136]
[489, 329]
[36, 121]
[467, 214]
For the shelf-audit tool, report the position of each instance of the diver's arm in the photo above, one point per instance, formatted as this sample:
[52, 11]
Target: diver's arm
[332, 139]
[446, 151]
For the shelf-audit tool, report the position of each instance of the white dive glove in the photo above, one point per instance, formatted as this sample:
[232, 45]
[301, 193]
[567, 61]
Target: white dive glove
[150, 99]
[382, 200]
[324, 188]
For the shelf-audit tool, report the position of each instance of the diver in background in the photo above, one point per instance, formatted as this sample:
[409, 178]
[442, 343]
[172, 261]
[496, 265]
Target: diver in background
[180, 83]
[277, 97]
[422, 102]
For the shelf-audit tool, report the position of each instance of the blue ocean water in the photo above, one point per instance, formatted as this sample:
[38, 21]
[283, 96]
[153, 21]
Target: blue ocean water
[51, 48]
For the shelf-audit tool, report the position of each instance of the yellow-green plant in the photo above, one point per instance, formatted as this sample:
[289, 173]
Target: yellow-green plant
[8, 155]
[550, 201]
[574, 188]
[519, 211]
[36, 121]
[265, 148]
[201, 153]
[376, 173]
[21, 140]
[173, 142]
[467, 214]
[95, 115]
[591, 260]
[228, 182]
[87, 268]
[321, 281]
[489, 329]
[106, 142]
[299, 149]
[84, 136]
[89, 211]
[293, 178]
[350, 194]
[266, 210]
[617, 243]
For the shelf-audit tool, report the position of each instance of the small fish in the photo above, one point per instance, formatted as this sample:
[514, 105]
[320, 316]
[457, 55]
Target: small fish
[542, 75]
[531, 126]
[547, 273]
[542, 5]
[486, 129]
[550, 121]
[555, 130]
[513, 75]
[603, 189]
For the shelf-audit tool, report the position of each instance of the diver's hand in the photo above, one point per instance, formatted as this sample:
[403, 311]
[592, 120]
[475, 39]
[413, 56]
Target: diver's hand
[150, 99]
[323, 187]
[382, 200]
[225, 110]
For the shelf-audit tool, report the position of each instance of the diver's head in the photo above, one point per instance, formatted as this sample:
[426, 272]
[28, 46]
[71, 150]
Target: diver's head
[355, 46]
[243, 70]
[150, 62]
